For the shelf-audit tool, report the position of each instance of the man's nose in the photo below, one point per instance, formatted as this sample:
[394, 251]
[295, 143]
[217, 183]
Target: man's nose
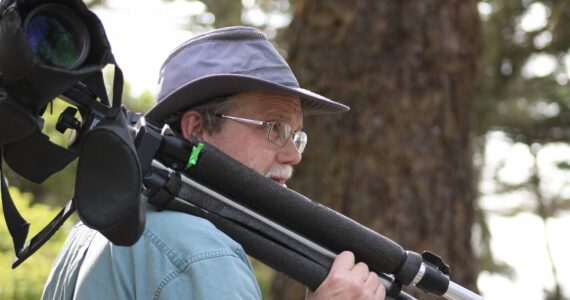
[289, 154]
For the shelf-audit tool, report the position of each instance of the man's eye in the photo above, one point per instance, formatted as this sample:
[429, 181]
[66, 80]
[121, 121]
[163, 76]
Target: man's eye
[276, 134]
[277, 127]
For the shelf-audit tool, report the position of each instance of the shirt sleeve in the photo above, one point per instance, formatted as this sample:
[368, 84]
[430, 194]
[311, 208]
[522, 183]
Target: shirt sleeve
[216, 275]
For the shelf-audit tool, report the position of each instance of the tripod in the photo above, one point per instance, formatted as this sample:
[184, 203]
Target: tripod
[281, 228]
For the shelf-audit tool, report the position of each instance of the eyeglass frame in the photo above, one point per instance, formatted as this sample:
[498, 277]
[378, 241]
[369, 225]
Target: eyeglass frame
[299, 137]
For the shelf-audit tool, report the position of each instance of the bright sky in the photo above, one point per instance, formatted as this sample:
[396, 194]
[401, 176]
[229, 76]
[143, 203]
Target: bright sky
[520, 241]
[142, 34]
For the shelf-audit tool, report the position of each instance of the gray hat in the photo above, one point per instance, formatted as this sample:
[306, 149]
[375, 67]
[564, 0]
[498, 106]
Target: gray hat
[224, 62]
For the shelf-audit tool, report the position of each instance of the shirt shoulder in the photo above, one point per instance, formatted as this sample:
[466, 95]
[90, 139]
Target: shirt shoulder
[193, 232]
[180, 236]
[178, 256]
[208, 263]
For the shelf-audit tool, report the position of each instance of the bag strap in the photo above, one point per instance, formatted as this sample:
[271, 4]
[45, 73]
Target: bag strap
[96, 84]
[17, 225]
[45, 234]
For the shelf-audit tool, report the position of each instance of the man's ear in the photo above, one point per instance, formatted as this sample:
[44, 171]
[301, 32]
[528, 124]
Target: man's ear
[191, 124]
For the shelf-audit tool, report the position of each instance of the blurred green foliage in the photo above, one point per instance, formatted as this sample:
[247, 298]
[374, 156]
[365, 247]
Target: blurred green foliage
[524, 71]
[27, 280]
[264, 276]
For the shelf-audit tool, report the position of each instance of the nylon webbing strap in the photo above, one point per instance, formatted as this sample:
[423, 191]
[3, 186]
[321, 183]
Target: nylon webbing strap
[96, 84]
[17, 225]
[45, 234]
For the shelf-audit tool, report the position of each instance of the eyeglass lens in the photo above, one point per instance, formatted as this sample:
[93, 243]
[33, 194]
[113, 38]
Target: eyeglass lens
[279, 134]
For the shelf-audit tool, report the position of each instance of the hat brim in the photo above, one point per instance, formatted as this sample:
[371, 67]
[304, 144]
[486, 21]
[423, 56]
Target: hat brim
[213, 86]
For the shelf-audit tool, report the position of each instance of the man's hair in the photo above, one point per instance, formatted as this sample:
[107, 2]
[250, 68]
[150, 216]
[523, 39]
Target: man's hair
[208, 110]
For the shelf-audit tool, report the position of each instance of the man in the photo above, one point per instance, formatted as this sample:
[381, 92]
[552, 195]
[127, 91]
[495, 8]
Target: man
[230, 88]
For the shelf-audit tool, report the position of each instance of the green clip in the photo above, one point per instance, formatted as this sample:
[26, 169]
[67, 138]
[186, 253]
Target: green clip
[194, 156]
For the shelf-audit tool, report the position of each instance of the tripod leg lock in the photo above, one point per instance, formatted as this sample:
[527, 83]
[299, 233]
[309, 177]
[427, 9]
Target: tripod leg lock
[437, 261]
[162, 188]
[434, 282]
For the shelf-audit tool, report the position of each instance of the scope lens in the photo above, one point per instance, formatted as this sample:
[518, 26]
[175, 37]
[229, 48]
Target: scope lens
[57, 36]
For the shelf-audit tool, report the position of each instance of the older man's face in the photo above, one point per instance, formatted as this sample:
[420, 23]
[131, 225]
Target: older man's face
[249, 144]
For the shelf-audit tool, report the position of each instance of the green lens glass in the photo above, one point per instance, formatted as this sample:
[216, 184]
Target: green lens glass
[57, 36]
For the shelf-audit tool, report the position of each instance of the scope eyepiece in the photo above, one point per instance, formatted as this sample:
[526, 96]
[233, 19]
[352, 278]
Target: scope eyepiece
[57, 36]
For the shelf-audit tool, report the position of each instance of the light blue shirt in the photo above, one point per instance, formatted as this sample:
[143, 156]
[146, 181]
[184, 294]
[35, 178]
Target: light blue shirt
[179, 256]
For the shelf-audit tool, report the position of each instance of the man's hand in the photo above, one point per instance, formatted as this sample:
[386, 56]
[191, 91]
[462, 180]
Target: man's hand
[347, 280]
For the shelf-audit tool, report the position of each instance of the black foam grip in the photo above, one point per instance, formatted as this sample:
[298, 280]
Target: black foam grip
[275, 248]
[283, 236]
[315, 221]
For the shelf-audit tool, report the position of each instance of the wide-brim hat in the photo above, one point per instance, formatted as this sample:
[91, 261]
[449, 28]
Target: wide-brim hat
[224, 62]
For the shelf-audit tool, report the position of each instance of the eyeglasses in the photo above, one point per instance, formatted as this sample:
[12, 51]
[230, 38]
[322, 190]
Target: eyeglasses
[279, 131]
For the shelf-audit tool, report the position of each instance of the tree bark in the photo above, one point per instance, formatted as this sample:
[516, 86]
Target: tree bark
[400, 161]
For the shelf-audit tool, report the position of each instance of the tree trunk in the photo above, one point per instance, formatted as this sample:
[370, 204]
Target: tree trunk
[400, 161]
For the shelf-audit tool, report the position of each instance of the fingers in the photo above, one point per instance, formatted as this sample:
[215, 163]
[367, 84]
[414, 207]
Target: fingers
[361, 272]
[343, 262]
[380, 292]
[372, 280]
[374, 284]
[349, 280]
